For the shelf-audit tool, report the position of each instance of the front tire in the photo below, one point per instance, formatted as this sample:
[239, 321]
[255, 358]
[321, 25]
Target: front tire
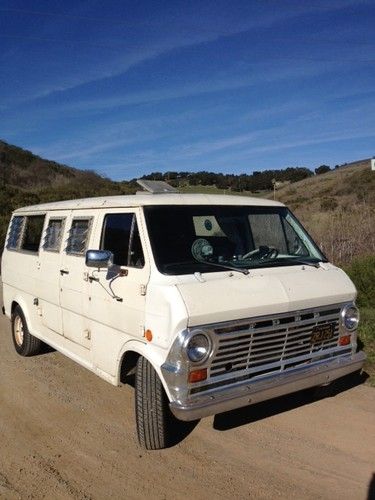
[151, 408]
[24, 343]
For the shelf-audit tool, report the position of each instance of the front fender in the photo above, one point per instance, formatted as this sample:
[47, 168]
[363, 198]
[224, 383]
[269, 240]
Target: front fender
[19, 299]
[154, 354]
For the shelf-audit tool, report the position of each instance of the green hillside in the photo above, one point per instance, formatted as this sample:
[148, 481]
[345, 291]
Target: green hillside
[27, 179]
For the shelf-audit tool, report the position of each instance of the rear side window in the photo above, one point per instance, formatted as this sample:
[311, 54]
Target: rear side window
[32, 233]
[120, 235]
[15, 233]
[79, 234]
[53, 237]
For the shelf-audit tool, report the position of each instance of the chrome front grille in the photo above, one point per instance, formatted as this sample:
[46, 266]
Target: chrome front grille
[250, 348]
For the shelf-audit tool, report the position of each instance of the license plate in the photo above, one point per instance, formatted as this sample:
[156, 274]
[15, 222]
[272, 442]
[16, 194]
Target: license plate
[320, 333]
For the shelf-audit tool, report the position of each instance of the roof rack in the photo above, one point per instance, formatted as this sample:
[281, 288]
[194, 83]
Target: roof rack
[155, 187]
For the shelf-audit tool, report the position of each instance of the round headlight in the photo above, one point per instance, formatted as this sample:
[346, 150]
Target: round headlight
[198, 348]
[350, 317]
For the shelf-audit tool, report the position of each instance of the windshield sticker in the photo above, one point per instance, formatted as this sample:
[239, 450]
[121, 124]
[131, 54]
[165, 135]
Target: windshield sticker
[208, 224]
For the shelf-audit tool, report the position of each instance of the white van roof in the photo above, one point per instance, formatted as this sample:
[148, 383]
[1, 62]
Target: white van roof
[150, 199]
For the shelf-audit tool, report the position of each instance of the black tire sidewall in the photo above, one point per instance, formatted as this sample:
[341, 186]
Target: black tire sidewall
[30, 344]
[152, 409]
[19, 313]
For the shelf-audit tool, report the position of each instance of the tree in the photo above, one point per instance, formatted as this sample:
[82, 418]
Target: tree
[322, 169]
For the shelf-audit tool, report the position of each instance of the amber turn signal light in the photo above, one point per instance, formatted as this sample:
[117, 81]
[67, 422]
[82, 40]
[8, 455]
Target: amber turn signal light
[345, 340]
[148, 335]
[198, 375]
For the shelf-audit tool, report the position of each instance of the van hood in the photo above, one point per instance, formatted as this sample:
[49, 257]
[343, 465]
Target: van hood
[217, 297]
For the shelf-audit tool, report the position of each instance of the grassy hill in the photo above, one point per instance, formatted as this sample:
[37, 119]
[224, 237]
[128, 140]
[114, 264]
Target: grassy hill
[338, 209]
[23, 171]
[27, 179]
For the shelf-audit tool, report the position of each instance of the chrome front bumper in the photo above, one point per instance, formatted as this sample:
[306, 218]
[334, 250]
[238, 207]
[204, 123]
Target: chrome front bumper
[250, 392]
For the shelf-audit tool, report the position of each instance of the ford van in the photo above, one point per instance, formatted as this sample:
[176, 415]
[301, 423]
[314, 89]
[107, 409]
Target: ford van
[212, 302]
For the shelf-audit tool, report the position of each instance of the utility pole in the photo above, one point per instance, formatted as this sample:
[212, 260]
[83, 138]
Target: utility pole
[274, 188]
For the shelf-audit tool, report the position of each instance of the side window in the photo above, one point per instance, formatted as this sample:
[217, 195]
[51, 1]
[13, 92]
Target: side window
[15, 232]
[32, 233]
[78, 236]
[268, 230]
[120, 235]
[53, 236]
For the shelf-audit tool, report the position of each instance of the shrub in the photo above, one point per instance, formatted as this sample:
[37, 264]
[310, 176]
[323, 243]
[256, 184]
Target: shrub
[366, 333]
[323, 169]
[328, 203]
[362, 273]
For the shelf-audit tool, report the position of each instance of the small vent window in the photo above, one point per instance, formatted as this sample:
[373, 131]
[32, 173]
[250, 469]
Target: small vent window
[78, 236]
[53, 237]
[15, 233]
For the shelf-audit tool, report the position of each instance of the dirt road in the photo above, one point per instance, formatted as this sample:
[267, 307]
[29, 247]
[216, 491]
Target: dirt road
[67, 434]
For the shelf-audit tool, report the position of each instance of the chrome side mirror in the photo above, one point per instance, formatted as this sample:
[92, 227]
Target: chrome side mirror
[99, 258]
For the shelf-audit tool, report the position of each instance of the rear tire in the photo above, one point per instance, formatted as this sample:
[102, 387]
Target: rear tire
[151, 407]
[24, 343]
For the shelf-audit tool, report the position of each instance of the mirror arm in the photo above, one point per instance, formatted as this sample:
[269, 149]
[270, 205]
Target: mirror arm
[110, 292]
[114, 296]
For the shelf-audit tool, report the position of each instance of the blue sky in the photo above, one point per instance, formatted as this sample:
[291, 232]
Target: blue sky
[126, 88]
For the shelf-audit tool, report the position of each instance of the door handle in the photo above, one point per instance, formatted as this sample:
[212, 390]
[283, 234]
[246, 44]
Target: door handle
[64, 271]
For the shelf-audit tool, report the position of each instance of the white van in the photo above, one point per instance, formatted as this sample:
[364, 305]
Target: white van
[213, 302]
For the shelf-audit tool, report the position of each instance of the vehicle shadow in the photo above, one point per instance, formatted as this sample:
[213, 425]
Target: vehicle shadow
[179, 430]
[46, 349]
[253, 413]
[371, 489]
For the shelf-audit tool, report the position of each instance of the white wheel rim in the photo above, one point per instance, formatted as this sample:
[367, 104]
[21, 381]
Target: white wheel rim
[18, 331]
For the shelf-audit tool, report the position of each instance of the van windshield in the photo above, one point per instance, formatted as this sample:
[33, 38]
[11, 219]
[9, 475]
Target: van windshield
[204, 238]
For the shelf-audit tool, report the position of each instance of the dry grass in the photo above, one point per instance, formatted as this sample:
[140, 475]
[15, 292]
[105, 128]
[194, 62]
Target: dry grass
[343, 234]
[338, 210]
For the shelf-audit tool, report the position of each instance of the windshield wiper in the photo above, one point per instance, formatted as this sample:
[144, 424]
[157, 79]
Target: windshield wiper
[301, 261]
[225, 266]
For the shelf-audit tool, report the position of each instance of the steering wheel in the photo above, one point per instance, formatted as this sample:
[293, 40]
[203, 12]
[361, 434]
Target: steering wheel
[201, 249]
[262, 252]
